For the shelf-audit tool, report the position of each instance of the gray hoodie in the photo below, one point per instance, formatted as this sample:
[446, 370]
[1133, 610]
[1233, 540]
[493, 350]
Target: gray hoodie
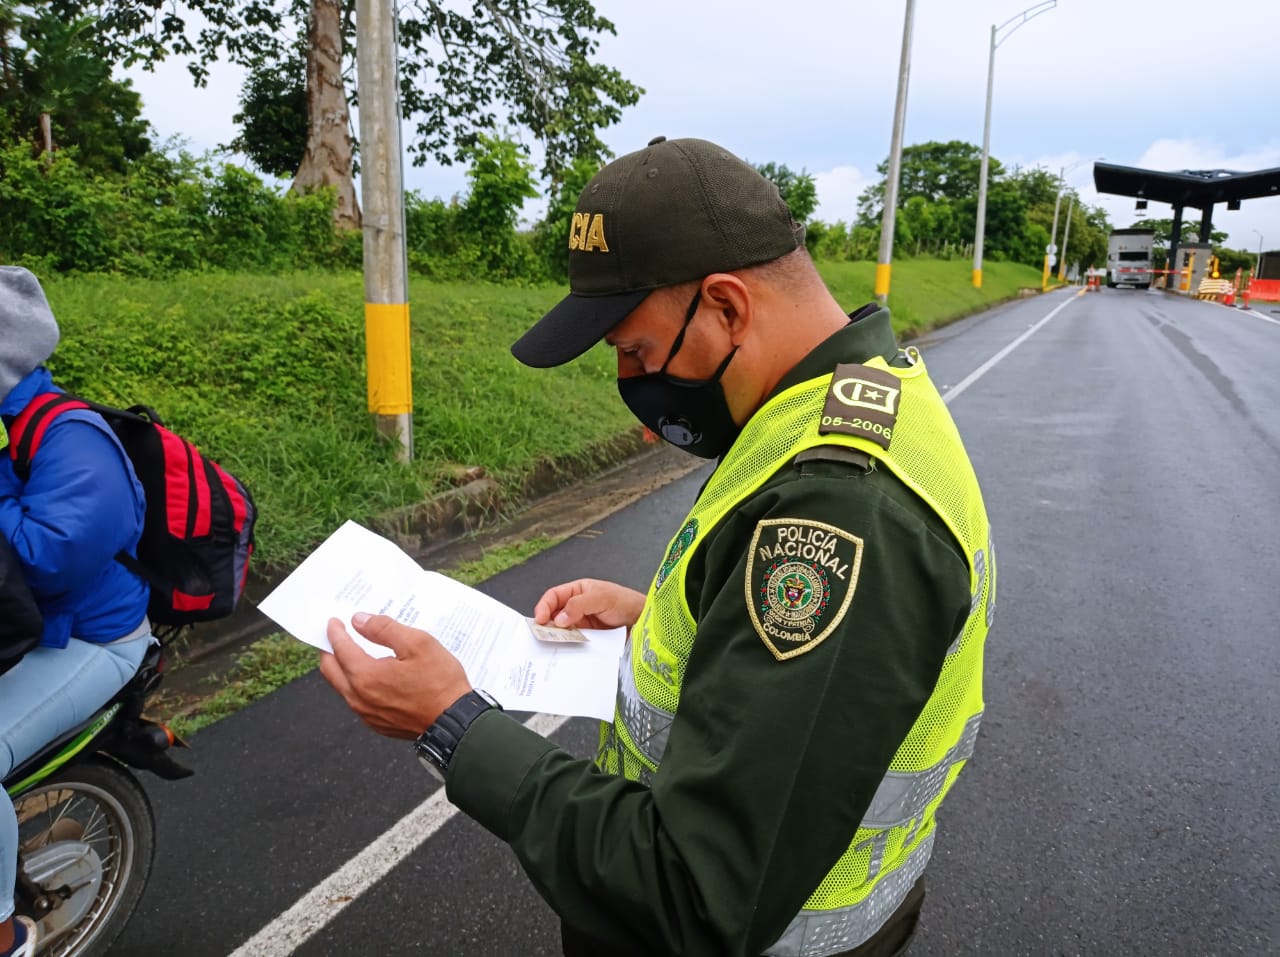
[28, 331]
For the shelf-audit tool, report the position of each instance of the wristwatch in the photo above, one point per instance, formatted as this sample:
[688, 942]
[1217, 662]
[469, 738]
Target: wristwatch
[436, 745]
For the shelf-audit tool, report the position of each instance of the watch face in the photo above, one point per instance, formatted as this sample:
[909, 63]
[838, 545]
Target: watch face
[430, 756]
[430, 765]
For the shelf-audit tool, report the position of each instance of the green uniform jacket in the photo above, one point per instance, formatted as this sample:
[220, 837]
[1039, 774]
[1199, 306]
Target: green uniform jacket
[771, 764]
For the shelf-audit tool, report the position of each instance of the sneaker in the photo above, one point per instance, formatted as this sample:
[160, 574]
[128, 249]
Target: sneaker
[24, 938]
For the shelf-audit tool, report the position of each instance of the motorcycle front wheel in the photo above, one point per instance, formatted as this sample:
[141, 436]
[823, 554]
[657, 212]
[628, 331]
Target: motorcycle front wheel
[86, 839]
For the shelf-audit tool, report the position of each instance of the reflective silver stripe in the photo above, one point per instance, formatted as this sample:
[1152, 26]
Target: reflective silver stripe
[980, 579]
[819, 933]
[611, 746]
[900, 800]
[648, 726]
[902, 797]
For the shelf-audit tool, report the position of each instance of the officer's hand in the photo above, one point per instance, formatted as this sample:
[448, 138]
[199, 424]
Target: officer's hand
[402, 696]
[589, 603]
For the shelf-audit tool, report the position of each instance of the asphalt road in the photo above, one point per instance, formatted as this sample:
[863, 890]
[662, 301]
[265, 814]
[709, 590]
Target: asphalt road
[1123, 797]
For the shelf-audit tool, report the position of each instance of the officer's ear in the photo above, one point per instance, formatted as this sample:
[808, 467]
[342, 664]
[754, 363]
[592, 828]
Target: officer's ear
[730, 298]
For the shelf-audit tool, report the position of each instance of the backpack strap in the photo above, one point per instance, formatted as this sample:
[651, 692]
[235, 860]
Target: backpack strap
[30, 426]
[28, 432]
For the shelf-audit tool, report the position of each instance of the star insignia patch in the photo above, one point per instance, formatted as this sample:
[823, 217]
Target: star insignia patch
[800, 580]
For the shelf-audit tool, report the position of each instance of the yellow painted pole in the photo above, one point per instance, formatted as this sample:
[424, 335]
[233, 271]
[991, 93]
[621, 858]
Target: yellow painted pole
[386, 274]
[386, 336]
[882, 280]
[889, 219]
[1044, 277]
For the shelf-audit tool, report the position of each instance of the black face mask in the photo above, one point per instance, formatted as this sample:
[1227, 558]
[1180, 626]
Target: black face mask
[691, 414]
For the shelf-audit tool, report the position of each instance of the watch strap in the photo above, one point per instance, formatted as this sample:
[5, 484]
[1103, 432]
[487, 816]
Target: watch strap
[437, 744]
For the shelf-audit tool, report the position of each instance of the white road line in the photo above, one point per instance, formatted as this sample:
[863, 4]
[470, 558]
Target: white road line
[331, 896]
[983, 369]
[1258, 315]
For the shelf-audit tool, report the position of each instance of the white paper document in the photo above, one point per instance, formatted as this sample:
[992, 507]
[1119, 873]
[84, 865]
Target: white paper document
[357, 570]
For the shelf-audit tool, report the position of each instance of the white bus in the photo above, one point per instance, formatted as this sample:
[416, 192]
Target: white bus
[1129, 257]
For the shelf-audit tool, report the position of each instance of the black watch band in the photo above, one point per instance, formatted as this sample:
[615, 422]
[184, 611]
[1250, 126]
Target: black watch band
[436, 745]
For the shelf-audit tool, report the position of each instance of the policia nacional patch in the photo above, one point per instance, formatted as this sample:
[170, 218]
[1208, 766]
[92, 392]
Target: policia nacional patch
[801, 576]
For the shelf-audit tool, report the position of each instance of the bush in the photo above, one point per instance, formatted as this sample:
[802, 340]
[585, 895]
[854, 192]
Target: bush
[169, 212]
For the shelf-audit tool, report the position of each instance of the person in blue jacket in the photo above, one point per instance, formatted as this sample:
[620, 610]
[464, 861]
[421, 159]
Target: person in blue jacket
[80, 506]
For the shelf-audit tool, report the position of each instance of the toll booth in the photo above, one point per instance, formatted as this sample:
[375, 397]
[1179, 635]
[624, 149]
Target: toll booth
[1202, 254]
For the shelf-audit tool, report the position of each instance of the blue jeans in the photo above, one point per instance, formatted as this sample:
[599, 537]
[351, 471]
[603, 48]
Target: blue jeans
[48, 693]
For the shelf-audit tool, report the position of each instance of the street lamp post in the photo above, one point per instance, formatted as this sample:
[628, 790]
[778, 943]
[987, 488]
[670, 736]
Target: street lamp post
[889, 220]
[996, 40]
[1257, 266]
[1053, 236]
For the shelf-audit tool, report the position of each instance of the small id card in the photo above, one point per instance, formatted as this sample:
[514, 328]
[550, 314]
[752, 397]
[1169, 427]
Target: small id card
[551, 633]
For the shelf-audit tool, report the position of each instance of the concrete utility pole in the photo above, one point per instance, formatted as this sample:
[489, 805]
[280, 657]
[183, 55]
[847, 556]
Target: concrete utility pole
[979, 233]
[889, 221]
[1066, 234]
[1053, 233]
[386, 270]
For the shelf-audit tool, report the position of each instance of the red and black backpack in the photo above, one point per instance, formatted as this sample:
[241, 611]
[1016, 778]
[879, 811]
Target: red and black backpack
[197, 534]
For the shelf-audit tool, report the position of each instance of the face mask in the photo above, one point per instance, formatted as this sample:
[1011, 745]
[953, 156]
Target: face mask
[691, 414]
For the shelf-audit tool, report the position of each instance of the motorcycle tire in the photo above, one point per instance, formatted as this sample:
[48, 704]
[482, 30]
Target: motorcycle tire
[98, 810]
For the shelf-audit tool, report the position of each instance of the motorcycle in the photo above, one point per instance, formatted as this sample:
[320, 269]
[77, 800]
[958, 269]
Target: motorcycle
[86, 830]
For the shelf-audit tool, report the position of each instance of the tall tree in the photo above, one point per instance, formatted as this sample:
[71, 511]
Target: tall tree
[329, 153]
[522, 63]
[273, 117]
[935, 171]
[56, 92]
[1037, 186]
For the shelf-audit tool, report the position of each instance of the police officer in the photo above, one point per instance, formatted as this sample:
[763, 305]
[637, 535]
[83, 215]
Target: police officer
[803, 680]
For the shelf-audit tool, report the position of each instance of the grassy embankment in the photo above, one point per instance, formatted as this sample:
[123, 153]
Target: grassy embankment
[266, 375]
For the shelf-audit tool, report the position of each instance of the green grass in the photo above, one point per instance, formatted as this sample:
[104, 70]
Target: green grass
[266, 665]
[925, 293]
[267, 375]
[498, 559]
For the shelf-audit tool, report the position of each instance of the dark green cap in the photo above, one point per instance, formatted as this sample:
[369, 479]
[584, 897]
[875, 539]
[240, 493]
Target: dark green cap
[673, 212]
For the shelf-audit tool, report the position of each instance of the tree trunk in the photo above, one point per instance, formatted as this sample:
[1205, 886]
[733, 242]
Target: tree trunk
[46, 138]
[327, 161]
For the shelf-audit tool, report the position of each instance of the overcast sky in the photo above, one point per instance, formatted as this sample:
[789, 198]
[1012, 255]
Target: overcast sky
[812, 83]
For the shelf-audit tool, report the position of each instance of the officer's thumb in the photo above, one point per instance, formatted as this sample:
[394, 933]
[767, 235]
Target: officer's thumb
[385, 630]
[577, 608]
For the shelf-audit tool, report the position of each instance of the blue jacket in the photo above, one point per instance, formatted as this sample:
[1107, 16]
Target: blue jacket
[81, 506]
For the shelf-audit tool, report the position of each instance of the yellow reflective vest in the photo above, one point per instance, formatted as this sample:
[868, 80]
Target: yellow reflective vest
[891, 847]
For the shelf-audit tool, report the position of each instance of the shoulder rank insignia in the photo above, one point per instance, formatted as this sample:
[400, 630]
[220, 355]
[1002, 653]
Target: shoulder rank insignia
[800, 580]
[862, 401]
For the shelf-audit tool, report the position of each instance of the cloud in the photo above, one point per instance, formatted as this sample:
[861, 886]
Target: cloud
[1245, 227]
[1202, 154]
[838, 192]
